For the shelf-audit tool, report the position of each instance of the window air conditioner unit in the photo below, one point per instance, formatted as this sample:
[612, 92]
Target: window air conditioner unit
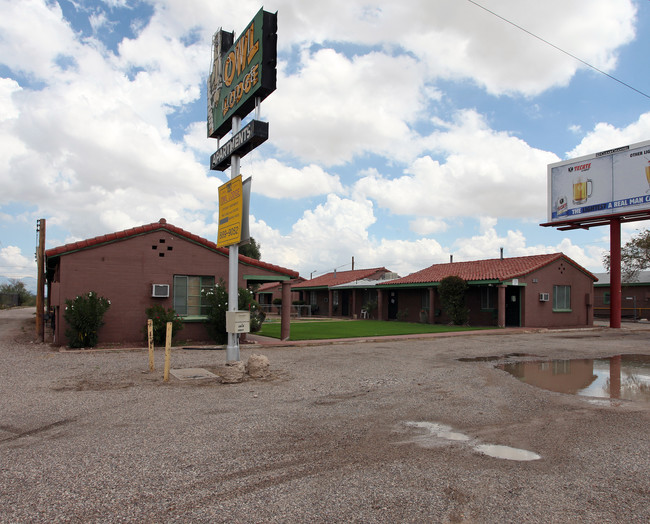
[160, 290]
[543, 297]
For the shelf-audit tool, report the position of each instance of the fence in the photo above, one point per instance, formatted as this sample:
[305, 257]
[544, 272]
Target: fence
[632, 307]
[9, 299]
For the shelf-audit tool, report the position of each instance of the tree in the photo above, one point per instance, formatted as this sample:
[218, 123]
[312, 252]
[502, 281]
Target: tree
[452, 295]
[252, 250]
[17, 287]
[635, 256]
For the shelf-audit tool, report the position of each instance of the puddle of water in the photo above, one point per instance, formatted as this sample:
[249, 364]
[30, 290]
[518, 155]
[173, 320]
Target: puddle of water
[439, 430]
[436, 432]
[506, 452]
[621, 377]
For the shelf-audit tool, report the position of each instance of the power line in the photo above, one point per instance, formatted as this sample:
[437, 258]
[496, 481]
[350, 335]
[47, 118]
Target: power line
[560, 49]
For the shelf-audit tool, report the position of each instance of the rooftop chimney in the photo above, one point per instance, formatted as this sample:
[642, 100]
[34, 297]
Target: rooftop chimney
[451, 258]
[501, 253]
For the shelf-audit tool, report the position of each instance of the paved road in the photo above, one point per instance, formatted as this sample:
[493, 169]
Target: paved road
[356, 432]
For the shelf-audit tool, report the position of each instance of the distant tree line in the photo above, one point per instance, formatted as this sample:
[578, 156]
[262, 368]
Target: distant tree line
[14, 294]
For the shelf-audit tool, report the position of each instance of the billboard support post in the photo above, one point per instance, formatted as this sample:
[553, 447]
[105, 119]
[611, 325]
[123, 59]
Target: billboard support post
[232, 349]
[615, 273]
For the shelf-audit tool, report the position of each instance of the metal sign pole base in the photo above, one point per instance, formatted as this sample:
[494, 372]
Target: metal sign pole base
[232, 349]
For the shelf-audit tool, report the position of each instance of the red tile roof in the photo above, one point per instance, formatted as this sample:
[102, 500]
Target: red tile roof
[155, 226]
[339, 277]
[270, 286]
[497, 269]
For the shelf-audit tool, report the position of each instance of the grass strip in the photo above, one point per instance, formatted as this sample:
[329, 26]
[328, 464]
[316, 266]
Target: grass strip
[357, 329]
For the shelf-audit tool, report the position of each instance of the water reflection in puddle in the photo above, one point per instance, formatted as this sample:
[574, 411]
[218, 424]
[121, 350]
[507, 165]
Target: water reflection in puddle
[621, 377]
[435, 434]
[506, 452]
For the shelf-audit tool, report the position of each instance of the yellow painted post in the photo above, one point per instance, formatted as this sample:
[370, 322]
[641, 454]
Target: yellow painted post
[150, 338]
[168, 351]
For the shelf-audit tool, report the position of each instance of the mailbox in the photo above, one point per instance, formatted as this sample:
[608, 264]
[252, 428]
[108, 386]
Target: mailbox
[238, 321]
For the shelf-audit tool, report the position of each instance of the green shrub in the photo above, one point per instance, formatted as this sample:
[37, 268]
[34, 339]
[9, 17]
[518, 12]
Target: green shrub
[217, 301]
[160, 317]
[84, 316]
[452, 295]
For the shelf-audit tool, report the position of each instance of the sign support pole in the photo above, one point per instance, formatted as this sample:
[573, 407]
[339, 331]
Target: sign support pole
[615, 273]
[232, 349]
[40, 291]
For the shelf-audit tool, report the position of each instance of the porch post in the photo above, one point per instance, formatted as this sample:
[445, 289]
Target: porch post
[501, 307]
[354, 303]
[380, 304]
[285, 317]
[330, 303]
[432, 305]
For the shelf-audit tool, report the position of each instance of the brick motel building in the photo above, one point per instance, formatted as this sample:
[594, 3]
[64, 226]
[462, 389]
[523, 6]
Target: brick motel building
[160, 263]
[137, 268]
[533, 291]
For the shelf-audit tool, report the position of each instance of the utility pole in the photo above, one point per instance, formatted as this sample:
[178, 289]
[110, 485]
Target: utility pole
[40, 280]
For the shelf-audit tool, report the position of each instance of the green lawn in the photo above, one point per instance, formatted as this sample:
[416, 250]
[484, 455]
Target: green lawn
[355, 329]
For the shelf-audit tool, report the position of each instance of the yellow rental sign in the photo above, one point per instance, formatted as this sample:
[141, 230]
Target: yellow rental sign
[231, 202]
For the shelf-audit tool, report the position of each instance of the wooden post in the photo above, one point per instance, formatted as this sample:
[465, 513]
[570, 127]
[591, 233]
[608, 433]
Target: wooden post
[150, 339]
[168, 351]
[40, 280]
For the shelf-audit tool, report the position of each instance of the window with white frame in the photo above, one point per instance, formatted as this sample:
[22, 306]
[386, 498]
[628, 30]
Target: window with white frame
[190, 293]
[562, 298]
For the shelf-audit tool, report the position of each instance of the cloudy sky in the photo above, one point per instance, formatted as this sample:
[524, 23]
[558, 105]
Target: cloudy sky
[400, 132]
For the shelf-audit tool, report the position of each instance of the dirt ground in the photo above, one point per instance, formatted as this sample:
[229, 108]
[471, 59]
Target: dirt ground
[383, 431]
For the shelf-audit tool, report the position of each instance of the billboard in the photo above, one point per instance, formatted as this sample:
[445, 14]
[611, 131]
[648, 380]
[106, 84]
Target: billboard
[609, 183]
[241, 71]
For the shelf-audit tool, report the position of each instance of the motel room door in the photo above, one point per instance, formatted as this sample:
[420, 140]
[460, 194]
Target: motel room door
[513, 306]
[392, 305]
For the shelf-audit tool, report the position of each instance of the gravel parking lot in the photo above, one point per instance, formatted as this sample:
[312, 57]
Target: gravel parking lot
[384, 431]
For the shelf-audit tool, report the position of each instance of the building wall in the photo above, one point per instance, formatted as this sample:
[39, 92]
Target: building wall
[560, 273]
[635, 301]
[532, 312]
[124, 272]
[413, 307]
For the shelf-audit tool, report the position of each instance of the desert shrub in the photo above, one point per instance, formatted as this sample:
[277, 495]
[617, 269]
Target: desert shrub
[84, 316]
